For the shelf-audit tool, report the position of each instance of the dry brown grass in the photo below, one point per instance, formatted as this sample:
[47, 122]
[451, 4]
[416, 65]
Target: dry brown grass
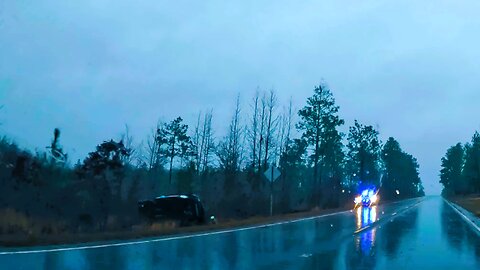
[58, 235]
[31, 233]
[11, 221]
[471, 203]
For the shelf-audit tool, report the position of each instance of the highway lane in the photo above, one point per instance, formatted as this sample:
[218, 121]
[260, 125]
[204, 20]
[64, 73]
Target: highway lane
[412, 234]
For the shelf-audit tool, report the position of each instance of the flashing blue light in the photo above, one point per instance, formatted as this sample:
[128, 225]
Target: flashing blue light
[367, 197]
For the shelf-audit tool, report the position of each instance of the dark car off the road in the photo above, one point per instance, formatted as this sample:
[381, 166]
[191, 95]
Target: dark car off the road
[184, 209]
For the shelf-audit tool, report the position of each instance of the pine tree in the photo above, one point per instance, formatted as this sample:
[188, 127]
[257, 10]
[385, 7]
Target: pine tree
[471, 170]
[401, 178]
[293, 167]
[174, 142]
[318, 121]
[363, 155]
[451, 176]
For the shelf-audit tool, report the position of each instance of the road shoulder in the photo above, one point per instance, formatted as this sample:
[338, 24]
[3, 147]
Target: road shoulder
[161, 234]
[468, 216]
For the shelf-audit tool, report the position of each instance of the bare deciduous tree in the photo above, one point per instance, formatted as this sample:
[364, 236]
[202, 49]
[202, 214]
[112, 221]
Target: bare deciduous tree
[229, 150]
[271, 122]
[154, 159]
[285, 130]
[263, 118]
[207, 141]
[128, 142]
[203, 141]
[253, 131]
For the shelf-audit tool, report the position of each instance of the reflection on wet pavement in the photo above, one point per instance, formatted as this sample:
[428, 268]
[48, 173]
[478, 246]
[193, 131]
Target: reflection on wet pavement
[365, 217]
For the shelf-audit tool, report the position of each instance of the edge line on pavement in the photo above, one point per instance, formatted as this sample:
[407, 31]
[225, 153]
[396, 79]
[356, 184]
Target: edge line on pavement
[469, 221]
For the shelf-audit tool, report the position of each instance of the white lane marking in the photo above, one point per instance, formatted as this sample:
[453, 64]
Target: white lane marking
[463, 215]
[167, 238]
[306, 255]
[392, 217]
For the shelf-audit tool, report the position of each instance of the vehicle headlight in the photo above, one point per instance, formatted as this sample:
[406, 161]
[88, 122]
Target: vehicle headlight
[374, 198]
[358, 199]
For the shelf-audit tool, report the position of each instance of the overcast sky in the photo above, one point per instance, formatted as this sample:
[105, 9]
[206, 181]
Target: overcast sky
[411, 68]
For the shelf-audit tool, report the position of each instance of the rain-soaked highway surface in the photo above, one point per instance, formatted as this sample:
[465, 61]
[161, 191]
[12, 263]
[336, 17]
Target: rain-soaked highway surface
[415, 234]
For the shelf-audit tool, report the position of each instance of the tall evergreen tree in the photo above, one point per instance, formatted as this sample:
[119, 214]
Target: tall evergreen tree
[471, 170]
[293, 168]
[332, 162]
[363, 155]
[174, 142]
[451, 176]
[106, 163]
[401, 178]
[318, 121]
[103, 171]
[391, 154]
[412, 183]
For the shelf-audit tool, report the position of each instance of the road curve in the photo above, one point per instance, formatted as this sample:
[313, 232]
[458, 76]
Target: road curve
[415, 234]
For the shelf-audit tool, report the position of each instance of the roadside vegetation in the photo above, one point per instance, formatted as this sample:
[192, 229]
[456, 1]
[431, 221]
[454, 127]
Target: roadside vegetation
[470, 203]
[460, 173]
[45, 193]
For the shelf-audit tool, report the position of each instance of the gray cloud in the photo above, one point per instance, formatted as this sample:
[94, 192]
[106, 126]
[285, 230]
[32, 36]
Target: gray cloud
[89, 67]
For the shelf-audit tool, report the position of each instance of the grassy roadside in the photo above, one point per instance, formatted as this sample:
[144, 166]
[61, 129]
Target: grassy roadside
[154, 230]
[470, 203]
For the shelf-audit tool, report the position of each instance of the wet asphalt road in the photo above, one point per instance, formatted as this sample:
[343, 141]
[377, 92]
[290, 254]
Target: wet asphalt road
[413, 234]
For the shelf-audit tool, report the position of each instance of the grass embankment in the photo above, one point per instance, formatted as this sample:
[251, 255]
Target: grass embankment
[43, 233]
[470, 203]
[56, 237]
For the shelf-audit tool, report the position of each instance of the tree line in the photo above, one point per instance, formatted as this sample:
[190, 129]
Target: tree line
[320, 166]
[460, 171]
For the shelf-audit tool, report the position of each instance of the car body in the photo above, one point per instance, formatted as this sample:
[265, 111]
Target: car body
[184, 209]
[367, 197]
